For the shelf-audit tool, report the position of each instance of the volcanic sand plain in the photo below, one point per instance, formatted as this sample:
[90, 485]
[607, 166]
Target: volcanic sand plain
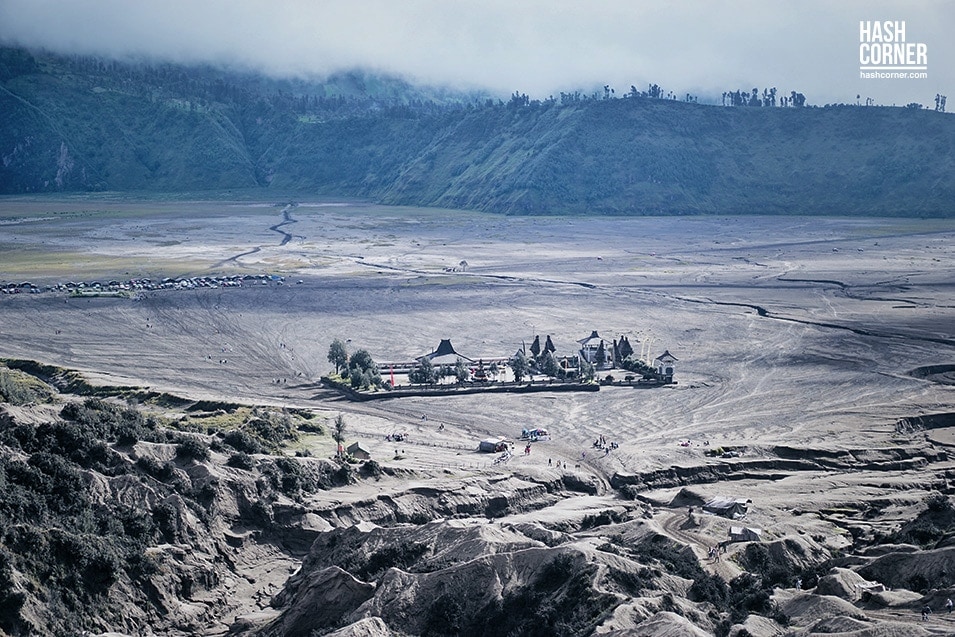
[790, 331]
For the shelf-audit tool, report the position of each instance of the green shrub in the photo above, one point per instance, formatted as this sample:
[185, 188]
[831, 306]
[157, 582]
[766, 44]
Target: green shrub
[674, 558]
[748, 594]
[166, 519]
[106, 421]
[918, 583]
[162, 471]
[192, 449]
[311, 427]
[560, 602]
[371, 469]
[603, 518]
[271, 429]
[137, 525]
[69, 440]
[632, 584]
[142, 566]
[342, 476]
[446, 615]
[290, 477]
[241, 460]
[10, 602]
[242, 441]
[400, 556]
[929, 527]
[555, 573]
[710, 588]
[57, 480]
[71, 548]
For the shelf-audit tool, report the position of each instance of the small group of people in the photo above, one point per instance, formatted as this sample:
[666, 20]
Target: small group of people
[399, 437]
[716, 551]
[927, 610]
[601, 443]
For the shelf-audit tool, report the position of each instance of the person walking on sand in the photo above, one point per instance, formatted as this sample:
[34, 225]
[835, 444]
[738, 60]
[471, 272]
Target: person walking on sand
[926, 611]
[948, 604]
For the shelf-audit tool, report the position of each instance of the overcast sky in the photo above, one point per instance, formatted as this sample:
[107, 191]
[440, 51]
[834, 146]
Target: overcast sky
[539, 47]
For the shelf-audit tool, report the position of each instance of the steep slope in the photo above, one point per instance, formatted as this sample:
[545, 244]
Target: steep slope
[60, 135]
[641, 156]
[73, 125]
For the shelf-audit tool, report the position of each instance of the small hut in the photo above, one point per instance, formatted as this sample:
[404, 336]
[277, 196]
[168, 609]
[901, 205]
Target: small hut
[664, 364]
[493, 445]
[745, 534]
[356, 450]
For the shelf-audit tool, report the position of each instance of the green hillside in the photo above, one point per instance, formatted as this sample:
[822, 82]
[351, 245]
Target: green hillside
[82, 124]
[640, 156]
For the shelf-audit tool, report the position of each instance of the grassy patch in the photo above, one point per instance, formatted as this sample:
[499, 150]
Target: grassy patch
[19, 388]
[71, 381]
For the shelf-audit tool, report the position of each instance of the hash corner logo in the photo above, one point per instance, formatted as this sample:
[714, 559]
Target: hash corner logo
[885, 53]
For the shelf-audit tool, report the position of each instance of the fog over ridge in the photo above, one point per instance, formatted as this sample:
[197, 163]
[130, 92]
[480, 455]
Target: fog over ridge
[537, 47]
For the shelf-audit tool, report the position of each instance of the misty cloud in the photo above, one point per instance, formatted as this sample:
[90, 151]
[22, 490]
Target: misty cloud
[534, 46]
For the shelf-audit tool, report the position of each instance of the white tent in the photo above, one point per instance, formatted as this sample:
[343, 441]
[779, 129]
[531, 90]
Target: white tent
[733, 508]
